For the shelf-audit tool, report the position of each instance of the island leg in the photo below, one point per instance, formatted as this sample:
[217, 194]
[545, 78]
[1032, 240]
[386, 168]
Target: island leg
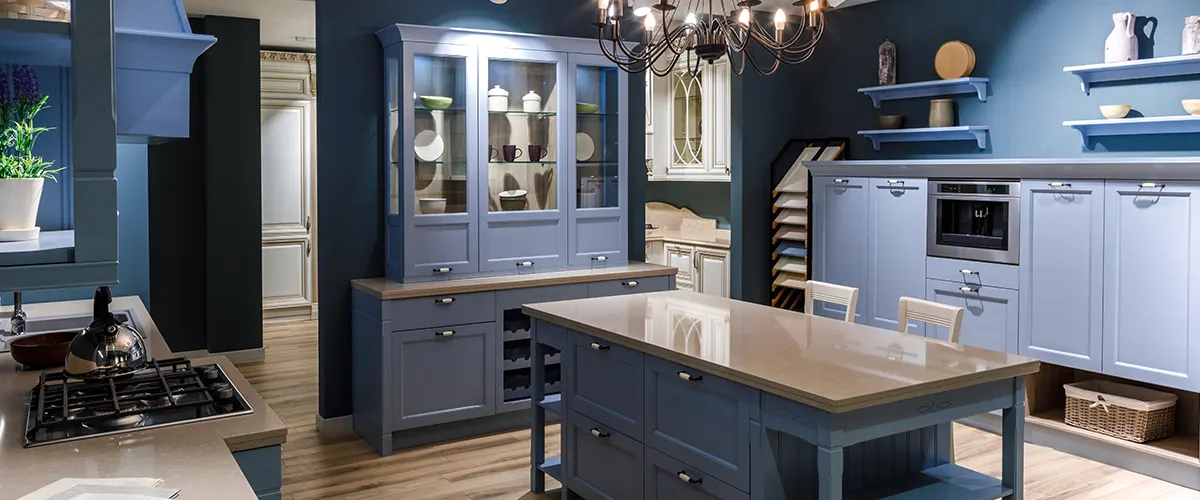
[1013, 466]
[829, 473]
[537, 479]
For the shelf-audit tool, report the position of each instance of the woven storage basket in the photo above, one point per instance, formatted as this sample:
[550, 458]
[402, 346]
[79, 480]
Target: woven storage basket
[37, 10]
[1124, 411]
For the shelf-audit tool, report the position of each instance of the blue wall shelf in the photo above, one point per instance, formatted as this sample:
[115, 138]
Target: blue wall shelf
[968, 85]
[1157, 67]
[36, 43]
[1184, 124]
[977, 133]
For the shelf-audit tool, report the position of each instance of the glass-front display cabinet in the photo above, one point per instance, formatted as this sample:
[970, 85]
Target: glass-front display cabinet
[504, 154]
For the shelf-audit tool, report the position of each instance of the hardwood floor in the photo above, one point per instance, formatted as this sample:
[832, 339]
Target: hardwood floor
[497, 466]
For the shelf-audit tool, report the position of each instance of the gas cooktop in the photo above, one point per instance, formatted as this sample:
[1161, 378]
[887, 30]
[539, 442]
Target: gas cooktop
[165, 393]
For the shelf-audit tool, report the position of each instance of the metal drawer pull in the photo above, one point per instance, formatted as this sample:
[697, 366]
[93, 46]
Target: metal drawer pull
[683, 476]
[629, 284]
[968, 272]
[967, 289]
[895, 182]
[599, 347]
[841, 181]
[444, 300]
[1060, 184]
[446, 333]
[689, 377]
[1151, 185]
[596, 432]
[443, 269]
[525, 264]
[600, 258]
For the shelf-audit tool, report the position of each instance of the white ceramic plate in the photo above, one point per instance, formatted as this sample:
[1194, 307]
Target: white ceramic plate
[428, 145]
[584, 147]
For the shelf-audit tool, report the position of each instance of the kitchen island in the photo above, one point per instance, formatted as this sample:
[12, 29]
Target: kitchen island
[205, 460]
[675, 395]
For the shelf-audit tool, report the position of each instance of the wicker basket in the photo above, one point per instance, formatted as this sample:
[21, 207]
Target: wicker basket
[1124, 411]
[37, 10]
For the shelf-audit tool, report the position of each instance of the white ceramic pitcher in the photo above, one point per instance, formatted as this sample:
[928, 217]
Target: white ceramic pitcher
[1122, 44]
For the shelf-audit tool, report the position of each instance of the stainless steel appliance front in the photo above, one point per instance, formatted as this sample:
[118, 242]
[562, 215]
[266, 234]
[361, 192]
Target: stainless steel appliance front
[975, 220]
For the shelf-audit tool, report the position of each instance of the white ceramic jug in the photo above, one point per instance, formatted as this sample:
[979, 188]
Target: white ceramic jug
[1121, 44]
[1191, 35]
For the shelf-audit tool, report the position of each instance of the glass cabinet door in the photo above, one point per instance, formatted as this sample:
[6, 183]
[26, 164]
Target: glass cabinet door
[599, 160]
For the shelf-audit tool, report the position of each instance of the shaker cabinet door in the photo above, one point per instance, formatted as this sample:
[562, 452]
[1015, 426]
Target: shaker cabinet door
[839, 250]
[443, 374]
[989, 314]
[681, 257]
[896, 248]
[1062, 272]
[713, 272]
[1152, 269]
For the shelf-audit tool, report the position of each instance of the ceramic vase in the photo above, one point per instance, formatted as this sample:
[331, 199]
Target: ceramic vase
[497, 99]
[1121, 44]
[941, 113]
[531, 103]
[887, 63]
[1191, 36]
[19, 200]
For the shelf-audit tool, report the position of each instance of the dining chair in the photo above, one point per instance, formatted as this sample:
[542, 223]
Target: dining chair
[932, 313]
[833, 294]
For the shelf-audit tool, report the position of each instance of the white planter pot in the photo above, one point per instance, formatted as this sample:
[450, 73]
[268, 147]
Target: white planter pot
[19, 200]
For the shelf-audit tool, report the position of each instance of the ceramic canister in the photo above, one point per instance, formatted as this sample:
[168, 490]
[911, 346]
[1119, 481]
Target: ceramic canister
[941, 113]
[531, 103]
[1191, 36]
[887, 63]
[497, 99]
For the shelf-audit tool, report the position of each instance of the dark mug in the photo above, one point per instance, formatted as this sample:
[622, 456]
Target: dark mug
[537, 152]
[492, 153]
[511, 153]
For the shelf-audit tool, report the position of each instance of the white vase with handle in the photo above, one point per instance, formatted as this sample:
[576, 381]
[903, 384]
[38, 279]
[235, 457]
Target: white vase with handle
[1122, 44]
[19, 200]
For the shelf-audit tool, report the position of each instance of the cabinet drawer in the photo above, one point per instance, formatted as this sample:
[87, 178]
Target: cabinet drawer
[972, 273]
[684, 405]
[442, 375]
[601, 463]
[440, 310]
[989, 314]
[670, 479]
[627, 286]
[604, 382]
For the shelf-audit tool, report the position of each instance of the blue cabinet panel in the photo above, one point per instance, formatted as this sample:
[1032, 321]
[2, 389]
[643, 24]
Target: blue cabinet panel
[604, 382]
[1152, 269]
[446, 249]
[989, 316]
[441, 310]
[670, 479]
[523, 245]
[601, 463]
[628, 286]
[443, 374]
[839, 253]
[896, 248]
[1062, 272]
[263, 468]
[684, 405]
[973, 273]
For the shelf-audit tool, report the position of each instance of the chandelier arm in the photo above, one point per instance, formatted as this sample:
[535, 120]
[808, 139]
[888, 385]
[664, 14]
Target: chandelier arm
[754, 64]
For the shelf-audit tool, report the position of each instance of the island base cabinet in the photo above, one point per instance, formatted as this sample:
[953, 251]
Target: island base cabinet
[602, 463]
[670, 479]
[263, 468]
[604, 382]
[989, 314]
[443, 374]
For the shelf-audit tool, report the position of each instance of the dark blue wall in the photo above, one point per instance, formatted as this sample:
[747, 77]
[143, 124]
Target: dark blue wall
[708, 199]
[1022, 46]
[350, 145]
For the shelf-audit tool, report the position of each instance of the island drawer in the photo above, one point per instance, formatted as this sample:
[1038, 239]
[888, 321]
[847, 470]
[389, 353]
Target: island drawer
[440, 310]
[700, 419]
[628, 286]
[603, 464]
[670, 479]
[604, 382]
[971, 273]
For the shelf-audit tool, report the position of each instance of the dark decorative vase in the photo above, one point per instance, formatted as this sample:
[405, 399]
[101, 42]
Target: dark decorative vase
[887, 63]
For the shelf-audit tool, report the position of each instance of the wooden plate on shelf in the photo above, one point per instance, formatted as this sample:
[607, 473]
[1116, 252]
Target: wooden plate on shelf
[954, 60]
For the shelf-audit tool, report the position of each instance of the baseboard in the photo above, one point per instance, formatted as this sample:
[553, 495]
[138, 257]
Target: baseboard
[242, 356]
[336, 425]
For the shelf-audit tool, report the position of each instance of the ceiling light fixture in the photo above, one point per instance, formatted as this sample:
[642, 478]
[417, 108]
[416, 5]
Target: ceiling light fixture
[710, 30]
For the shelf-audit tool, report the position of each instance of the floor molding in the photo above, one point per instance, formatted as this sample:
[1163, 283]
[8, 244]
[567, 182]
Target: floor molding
[235, 356]
[336, 425]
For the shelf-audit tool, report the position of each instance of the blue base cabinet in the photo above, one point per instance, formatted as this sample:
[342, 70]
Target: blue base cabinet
[989, 314]
[263, 468]
[839, 251]
[604, 464]
[895, 249]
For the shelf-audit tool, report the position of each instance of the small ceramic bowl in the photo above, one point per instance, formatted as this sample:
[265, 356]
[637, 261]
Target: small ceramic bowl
[889, 122]
[513, 200]
[1115, 111]
[586, 108]
[432, 205]
[1192, 106]
[436, 101]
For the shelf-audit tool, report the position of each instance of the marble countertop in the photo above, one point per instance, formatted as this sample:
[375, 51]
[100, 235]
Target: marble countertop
[827, 364]
[718, 239]
[196, 458]
[386, 289]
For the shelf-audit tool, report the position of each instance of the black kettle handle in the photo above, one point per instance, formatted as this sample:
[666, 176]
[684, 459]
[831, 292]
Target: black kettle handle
[101, 301]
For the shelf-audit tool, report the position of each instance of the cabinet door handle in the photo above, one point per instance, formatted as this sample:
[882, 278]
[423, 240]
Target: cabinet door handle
[683, 476]
[967, 289]
[442, 269]
[968, 272]
[1060, 184]
[629, 284]
[446, 333]
[599, 347]
[598, 433]
[695, 260]
[1151, 185]
[444, 300]
[689, 377]
[600, 258]
[841, 181]
[308, 249]
[527, 263]
[308, 223]
[895, 182]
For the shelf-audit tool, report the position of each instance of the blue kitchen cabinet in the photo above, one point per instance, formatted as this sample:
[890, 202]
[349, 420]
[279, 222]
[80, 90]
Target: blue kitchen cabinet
[443, 374]
[839, 253]
[1152, 274]
[896, 248]
[1062, 272]
[603, 463]
[263, 468]
[598, 196]
[989, 314]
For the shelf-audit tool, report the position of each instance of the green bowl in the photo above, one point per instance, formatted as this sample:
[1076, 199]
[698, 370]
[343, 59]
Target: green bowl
[586, 108]
[436, 101]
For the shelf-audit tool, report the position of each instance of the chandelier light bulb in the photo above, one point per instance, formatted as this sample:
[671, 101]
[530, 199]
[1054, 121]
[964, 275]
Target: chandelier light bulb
[814, 6]
[744, 17]
[690, 19]
[603, 4]
[642, 11]
[649, 22]
[780, 20]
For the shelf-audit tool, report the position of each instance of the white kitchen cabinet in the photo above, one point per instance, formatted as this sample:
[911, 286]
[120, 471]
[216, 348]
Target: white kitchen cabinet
[681, 257]
[712, 267]
[688, 129]
[655, 253]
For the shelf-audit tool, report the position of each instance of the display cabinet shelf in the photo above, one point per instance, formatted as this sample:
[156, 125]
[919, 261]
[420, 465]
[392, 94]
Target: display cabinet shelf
[970, 85]
[51, 247]
[943, 481]
[1157, 67]
[595, 115]
[442, 110]
[1186, 124]
[523, 162]
[552, 402]
[977, 133]
[523, 113]
[553, 467]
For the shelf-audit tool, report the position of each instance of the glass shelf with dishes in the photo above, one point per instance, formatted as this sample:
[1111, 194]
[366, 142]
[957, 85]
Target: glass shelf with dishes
[522, 132]
[597, 147]
[439, 135]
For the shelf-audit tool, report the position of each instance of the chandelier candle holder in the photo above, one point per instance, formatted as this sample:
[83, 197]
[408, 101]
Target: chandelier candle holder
[707, 30]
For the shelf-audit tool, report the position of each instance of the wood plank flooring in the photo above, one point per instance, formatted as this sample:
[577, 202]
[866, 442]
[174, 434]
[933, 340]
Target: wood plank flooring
[497, 466]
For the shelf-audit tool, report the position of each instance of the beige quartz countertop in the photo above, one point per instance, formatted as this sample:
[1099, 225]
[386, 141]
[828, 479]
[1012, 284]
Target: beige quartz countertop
[827, 364]
[196, 458]
[386, 289]
[717, 239]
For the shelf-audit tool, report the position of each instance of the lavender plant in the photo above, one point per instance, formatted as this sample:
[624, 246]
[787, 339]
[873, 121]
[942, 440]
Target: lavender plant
[18, 134]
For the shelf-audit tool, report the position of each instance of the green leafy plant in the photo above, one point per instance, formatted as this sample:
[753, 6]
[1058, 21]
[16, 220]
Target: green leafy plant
[18, 134]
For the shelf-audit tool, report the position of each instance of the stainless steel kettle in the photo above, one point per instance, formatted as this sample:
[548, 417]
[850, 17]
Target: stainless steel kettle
[107, 348]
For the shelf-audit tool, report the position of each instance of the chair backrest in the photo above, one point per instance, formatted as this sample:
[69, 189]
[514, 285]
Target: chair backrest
[931, 312]
[833, 294]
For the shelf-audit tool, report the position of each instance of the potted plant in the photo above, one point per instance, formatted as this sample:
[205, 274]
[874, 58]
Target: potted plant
[21, 172]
